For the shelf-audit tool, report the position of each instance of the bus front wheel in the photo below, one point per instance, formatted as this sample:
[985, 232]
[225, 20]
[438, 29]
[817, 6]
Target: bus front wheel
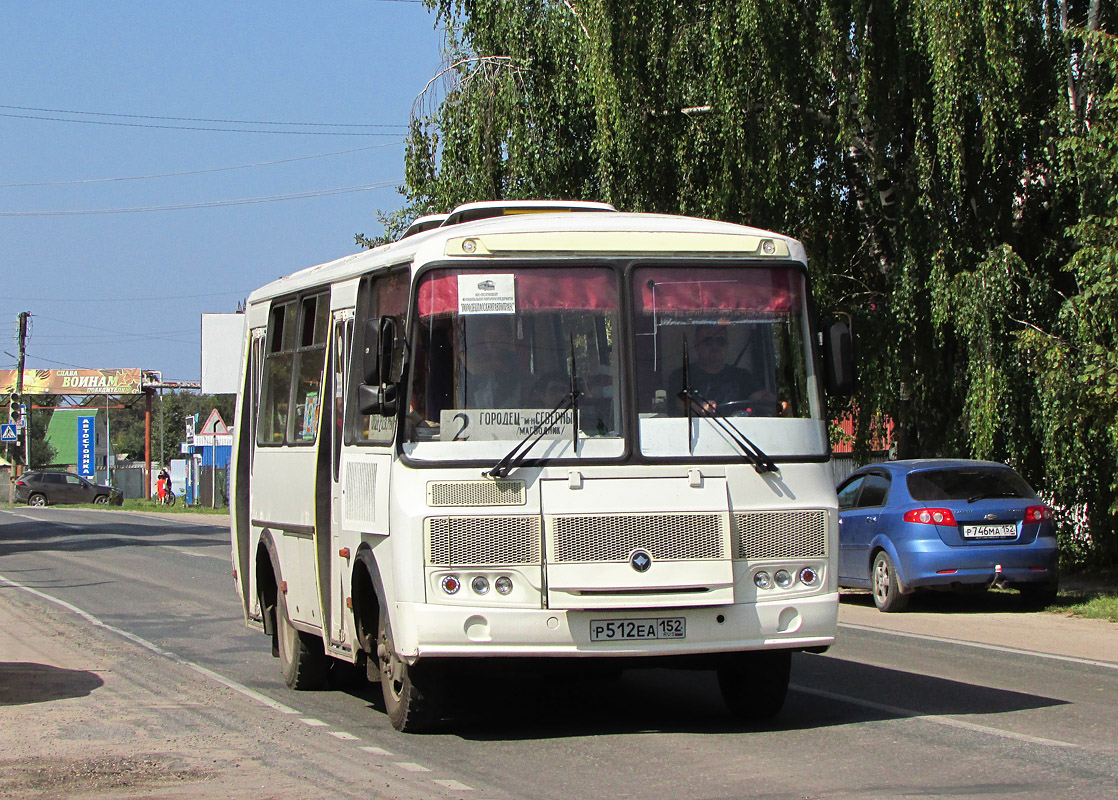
[754, 684]
[410, 691]
[301, 655]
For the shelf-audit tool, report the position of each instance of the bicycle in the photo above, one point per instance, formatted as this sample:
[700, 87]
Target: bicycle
[168, 498]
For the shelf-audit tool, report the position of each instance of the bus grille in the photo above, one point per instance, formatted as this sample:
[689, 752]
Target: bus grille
[780, 534]
[666, 537]
[482, 541]
[476, 493]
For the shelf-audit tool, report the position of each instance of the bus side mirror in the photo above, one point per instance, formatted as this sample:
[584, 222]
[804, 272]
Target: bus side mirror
[838, 360]
[377, 393]
[380, 400]
[370, 364]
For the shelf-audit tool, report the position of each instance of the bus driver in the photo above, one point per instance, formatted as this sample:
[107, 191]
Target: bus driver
[714, 380]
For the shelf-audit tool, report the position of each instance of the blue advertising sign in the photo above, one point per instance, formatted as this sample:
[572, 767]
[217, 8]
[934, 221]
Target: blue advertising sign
[87, 441]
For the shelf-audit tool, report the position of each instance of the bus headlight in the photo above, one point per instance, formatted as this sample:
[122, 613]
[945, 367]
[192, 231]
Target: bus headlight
[480, 585]
[451, 584]
[762, 580]
[783, 578]
[503, 585]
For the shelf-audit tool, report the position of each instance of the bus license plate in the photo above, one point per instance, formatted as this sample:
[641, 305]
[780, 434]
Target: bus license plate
[621, 630]
[1008, 531]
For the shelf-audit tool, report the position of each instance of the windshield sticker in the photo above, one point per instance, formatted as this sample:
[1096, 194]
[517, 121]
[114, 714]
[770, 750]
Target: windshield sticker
[486, 294]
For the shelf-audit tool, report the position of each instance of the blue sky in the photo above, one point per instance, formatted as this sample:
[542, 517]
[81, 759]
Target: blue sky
[128, 289]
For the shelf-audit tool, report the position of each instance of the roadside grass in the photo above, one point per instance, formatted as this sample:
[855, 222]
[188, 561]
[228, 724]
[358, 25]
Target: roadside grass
[1103, 606]
[1089, 595]
[139, 504]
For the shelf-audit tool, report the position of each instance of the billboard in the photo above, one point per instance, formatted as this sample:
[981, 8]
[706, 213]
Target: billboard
[221, 352]
[74, 381]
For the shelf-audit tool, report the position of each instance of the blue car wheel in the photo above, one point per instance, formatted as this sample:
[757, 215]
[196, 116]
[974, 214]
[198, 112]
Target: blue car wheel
[887, 594]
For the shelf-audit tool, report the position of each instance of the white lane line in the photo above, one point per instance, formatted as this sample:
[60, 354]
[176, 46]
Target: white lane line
[376, 751]
[950, 722]
[68, 525]
[349, 737]
[454, 786]
[314, 723]
[411, 766]
[191, 553]
[144, 643]
[981, 646]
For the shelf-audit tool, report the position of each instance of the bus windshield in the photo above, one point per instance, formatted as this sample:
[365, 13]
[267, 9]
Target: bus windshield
[723, 346]
[496, 350]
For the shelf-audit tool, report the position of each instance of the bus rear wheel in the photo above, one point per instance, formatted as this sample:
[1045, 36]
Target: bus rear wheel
[755, 684]
[301, 655]
[411, 692]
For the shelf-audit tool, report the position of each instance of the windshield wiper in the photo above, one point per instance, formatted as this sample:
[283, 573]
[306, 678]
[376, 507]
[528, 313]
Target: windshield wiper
[991, 495]
[698, 404]
[514, 457]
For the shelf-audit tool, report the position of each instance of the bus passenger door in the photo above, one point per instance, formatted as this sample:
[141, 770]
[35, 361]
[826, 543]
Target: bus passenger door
[339, 539]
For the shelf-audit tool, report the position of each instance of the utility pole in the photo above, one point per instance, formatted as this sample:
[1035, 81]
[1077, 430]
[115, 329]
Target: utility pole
[18, 399]
[26, 459]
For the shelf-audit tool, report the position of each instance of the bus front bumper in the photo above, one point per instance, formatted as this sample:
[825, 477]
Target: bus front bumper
[426, 630]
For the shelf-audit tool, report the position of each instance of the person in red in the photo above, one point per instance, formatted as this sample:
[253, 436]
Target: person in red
[162, 484]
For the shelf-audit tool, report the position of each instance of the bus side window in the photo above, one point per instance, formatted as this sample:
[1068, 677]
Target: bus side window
[296, 350]
[275, 380]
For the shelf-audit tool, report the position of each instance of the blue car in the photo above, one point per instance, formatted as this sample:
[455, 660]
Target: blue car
[944, 524]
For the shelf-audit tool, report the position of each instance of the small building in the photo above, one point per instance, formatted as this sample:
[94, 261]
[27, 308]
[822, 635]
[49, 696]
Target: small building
[62, 435]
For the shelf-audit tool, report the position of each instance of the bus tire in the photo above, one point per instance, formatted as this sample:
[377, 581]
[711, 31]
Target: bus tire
[410, 691]
[301, 655]
[755, 684]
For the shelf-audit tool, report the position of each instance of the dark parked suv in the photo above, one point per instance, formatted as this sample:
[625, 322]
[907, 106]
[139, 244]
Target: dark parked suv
[49, 488]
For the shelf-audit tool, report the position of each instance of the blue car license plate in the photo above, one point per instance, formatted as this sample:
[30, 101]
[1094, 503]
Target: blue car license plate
[1006, 531]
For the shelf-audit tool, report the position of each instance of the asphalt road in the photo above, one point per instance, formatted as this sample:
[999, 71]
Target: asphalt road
[126, 671]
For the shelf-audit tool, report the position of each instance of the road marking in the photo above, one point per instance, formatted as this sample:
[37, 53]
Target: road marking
[68, 525]
[950, 722]
[996, 647]
[314, 723]
[186, 552]
[454, 786]
[411, 766]
[349, 737]
[240, 688]
[376, 751]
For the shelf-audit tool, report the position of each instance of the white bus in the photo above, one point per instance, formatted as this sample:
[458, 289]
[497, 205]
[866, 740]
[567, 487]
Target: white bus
[540, 430]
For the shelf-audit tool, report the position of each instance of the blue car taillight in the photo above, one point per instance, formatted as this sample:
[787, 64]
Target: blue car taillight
[1037, 513]
[930, 516]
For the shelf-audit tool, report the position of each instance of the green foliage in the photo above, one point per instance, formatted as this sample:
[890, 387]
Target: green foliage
[923, 150]
[42, 451]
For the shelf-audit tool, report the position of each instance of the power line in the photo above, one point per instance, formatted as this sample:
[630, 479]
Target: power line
[198, 171]
[211, 204]
[88, 299]
[206, 119]
[196, 127]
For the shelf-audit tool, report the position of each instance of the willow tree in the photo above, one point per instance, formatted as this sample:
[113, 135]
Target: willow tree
[911, 144]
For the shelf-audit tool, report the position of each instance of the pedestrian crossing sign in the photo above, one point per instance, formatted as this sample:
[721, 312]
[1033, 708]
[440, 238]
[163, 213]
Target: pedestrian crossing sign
[8, 433]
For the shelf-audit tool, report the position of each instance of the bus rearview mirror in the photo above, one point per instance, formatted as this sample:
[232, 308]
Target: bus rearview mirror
[838, 360]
